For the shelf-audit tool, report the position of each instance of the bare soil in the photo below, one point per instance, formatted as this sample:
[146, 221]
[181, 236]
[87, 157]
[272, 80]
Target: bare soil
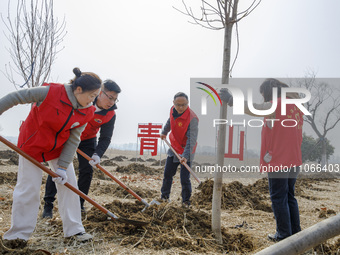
[247, 217]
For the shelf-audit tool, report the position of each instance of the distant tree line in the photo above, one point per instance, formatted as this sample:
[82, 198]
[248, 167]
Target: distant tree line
[311, 149]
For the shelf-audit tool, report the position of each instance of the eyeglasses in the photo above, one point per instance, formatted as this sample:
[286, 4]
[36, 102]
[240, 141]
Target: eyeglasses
[180, 105]
[115, 100]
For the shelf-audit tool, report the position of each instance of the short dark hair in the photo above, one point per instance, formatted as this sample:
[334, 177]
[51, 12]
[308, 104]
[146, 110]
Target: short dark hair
[267, 86]
[110, 85]
[86, 80]
[181, 94]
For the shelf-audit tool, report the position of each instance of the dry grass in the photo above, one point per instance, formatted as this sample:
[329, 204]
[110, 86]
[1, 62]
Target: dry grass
[315, 197]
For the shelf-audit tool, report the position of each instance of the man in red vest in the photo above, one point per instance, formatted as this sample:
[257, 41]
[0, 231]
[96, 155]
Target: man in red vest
[183, 124]
[104, 119]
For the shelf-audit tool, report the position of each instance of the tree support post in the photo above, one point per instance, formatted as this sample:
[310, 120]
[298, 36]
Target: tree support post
[306, 239]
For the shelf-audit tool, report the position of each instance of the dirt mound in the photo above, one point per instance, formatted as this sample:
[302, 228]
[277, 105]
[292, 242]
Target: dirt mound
[157, 162]
[255, 196]
[136, 159]
[7, 154]
[8, 178]
[261, 186]
[136, 168]
[119, 158]
[169, 227]
[234, 195]
[100, 175]
[108, 162]
[151, 160]
[18, 247]
[12, 156]
[12, 161]
[115, 190]
[325, 213]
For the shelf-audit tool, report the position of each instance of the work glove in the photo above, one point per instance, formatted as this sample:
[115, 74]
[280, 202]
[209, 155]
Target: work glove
[226, 96]
[62, 179]
[267, 158]
[95, 159]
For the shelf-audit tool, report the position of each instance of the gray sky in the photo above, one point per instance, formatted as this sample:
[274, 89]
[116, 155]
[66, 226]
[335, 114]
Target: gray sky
[151, 51]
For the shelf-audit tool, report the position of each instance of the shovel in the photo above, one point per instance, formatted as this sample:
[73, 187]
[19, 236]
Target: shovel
[184, 163]
[53, 174]
[119, 182]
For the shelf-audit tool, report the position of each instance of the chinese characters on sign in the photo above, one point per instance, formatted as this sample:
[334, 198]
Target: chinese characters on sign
[149, 134]
[230, 145]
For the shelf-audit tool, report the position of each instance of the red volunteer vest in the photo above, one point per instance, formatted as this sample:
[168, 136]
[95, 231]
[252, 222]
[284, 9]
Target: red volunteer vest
[95, 123]
[284, 140]
[179, 127]
[47, 127]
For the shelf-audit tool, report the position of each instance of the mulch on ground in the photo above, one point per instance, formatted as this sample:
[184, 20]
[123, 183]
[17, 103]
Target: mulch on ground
[169, 227]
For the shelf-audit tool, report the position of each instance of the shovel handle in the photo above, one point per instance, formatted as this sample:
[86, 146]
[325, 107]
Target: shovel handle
[184, 163]
[53, 174]
[114, 178]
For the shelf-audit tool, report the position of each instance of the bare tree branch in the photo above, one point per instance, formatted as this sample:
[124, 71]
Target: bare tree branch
[249, 10]
[221, 15]
[34, 36]
[324, 106]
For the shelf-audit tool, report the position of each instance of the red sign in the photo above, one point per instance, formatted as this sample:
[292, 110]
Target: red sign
[230, 145]
[149, 134]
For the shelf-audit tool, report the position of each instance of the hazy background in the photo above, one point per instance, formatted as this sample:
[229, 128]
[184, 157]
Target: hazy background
[152, 51]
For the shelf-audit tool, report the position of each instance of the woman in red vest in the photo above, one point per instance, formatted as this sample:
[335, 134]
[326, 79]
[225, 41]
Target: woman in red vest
[183, 124]
[280, 156]
[50, 133]
[104, 120]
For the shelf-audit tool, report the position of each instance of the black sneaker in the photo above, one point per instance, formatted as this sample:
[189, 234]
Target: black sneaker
[165, 200]
[186, 205]
[47, 213]
[274, 238]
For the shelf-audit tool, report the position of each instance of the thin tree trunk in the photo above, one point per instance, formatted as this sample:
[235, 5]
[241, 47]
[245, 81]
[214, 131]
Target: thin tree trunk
[323, 152]
[218, 177]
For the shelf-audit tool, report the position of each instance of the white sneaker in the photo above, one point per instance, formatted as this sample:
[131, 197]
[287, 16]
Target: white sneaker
[83, 237]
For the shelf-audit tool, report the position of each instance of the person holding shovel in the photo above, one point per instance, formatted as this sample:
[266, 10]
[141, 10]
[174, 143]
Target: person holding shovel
[50, 133]
[280, 150]
[104, 120]
[183, 124]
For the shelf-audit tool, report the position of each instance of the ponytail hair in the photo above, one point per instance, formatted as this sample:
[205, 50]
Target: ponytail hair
[88, 81]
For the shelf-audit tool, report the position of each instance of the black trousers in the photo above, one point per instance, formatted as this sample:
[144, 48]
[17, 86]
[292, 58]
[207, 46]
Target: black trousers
[84, 178]
[169, 172]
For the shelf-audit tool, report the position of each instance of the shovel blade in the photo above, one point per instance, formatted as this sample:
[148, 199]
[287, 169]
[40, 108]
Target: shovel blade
[152, 203]
[155, 202]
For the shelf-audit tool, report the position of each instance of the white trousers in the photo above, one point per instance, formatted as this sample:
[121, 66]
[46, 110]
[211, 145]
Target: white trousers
[26, 201]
